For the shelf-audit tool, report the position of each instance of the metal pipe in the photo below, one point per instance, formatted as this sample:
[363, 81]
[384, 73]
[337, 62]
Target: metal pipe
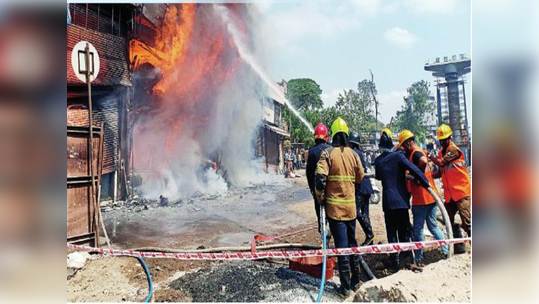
[91, 145]
[368, 271]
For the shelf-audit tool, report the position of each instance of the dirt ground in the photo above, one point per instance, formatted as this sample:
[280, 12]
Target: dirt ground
[444, 281]
[230, 220]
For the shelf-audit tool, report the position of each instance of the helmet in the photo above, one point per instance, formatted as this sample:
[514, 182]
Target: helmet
[354, 137]
[444, 131]
[321, 132]
[387, 131]
[404, 136]
[339, 125]
[385, 141]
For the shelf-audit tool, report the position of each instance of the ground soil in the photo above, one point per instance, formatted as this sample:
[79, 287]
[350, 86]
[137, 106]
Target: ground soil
[229, 220]
[443, 281]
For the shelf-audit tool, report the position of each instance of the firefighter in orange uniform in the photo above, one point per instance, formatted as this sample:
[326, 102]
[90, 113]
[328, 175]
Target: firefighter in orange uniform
[423, 204]
[456, 180]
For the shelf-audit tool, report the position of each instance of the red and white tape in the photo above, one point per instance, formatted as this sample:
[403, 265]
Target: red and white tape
[385, 248]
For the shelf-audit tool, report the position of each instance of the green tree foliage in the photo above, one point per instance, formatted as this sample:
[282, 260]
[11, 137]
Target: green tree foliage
[355, 107]
[304, 94]
[417, 106]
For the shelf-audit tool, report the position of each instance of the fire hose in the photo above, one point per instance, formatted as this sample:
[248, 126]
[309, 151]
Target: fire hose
[149, 278]
[447, 222]
[440, 205]
[324, 258]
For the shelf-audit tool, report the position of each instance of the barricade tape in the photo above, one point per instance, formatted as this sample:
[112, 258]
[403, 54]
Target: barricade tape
[374, 249]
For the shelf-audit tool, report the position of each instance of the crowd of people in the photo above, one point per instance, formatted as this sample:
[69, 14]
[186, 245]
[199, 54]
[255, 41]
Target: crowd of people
[294, 159]
[335, 174]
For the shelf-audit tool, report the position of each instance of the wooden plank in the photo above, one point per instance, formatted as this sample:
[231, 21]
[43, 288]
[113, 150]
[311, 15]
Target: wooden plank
[77, 155]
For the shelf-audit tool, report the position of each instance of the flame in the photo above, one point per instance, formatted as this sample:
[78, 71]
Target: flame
[173, 40]
[195, 56]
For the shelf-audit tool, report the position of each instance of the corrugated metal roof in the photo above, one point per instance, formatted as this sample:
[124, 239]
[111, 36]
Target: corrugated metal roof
[112, 52]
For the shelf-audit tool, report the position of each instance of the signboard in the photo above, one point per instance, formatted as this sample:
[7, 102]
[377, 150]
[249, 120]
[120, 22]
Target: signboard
[78, 61]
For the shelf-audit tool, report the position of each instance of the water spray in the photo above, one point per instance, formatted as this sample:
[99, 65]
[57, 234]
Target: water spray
[251, 61]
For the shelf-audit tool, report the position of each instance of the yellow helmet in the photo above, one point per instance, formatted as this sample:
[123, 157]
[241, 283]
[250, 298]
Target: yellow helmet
[444, 131]
[404, 136]
[339, 125]
[387, 131]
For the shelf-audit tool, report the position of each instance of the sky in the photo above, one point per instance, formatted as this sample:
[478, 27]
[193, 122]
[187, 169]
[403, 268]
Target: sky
[337, 42]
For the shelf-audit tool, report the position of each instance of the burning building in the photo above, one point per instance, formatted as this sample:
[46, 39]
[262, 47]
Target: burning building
[195, 119]
[271, 135]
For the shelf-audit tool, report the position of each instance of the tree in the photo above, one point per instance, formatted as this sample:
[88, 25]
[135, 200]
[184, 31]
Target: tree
[417, 106]
[356, 107]
[304, 94]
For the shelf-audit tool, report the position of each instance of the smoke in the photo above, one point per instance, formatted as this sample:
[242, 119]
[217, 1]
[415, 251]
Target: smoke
[251, 60]
[208, 112]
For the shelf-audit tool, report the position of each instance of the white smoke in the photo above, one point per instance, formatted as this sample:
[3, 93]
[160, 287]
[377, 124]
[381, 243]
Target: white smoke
[232, 113]
[251, 60]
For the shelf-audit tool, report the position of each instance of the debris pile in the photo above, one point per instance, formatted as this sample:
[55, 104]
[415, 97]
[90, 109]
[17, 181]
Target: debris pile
[444, 281]
[252, 282]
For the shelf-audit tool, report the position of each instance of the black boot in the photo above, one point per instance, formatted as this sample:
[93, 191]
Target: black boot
[364, 222]
[457, 233]
[394, 258]
[356, 271]
[344, 274]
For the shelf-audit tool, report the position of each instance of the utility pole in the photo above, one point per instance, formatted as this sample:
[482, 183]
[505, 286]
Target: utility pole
[375, 100]
[89, 64]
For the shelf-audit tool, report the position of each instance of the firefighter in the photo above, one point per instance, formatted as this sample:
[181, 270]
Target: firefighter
[423, 204]
[363, 194]
[313, 155]
[456, 180]
[337, 173]
[391, 167]
[388, 132]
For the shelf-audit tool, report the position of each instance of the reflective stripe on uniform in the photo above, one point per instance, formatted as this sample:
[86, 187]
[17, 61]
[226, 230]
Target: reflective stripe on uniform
[341, 178]
[335, 201]
[455, 164]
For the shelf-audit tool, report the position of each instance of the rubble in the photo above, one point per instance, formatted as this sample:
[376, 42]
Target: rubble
[77, 260]
[443, 281]
[252, 282]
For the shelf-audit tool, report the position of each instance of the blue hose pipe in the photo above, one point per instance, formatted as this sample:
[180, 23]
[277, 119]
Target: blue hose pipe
[324, 246]
[149, 277]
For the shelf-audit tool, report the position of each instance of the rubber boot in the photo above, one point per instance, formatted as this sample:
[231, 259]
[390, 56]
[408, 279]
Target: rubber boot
[365, 224]
[457, 233]
[394, 258]
[344, 274]
[364, 221]
[356, 271]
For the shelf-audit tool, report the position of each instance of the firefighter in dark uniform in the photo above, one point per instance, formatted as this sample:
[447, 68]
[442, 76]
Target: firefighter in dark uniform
[363, 194]
[320, 139]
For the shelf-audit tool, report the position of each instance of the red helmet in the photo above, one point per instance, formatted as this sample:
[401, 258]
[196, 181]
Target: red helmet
[321, 132]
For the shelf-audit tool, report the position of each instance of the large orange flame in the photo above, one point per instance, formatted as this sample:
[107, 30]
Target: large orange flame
[195, 56]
